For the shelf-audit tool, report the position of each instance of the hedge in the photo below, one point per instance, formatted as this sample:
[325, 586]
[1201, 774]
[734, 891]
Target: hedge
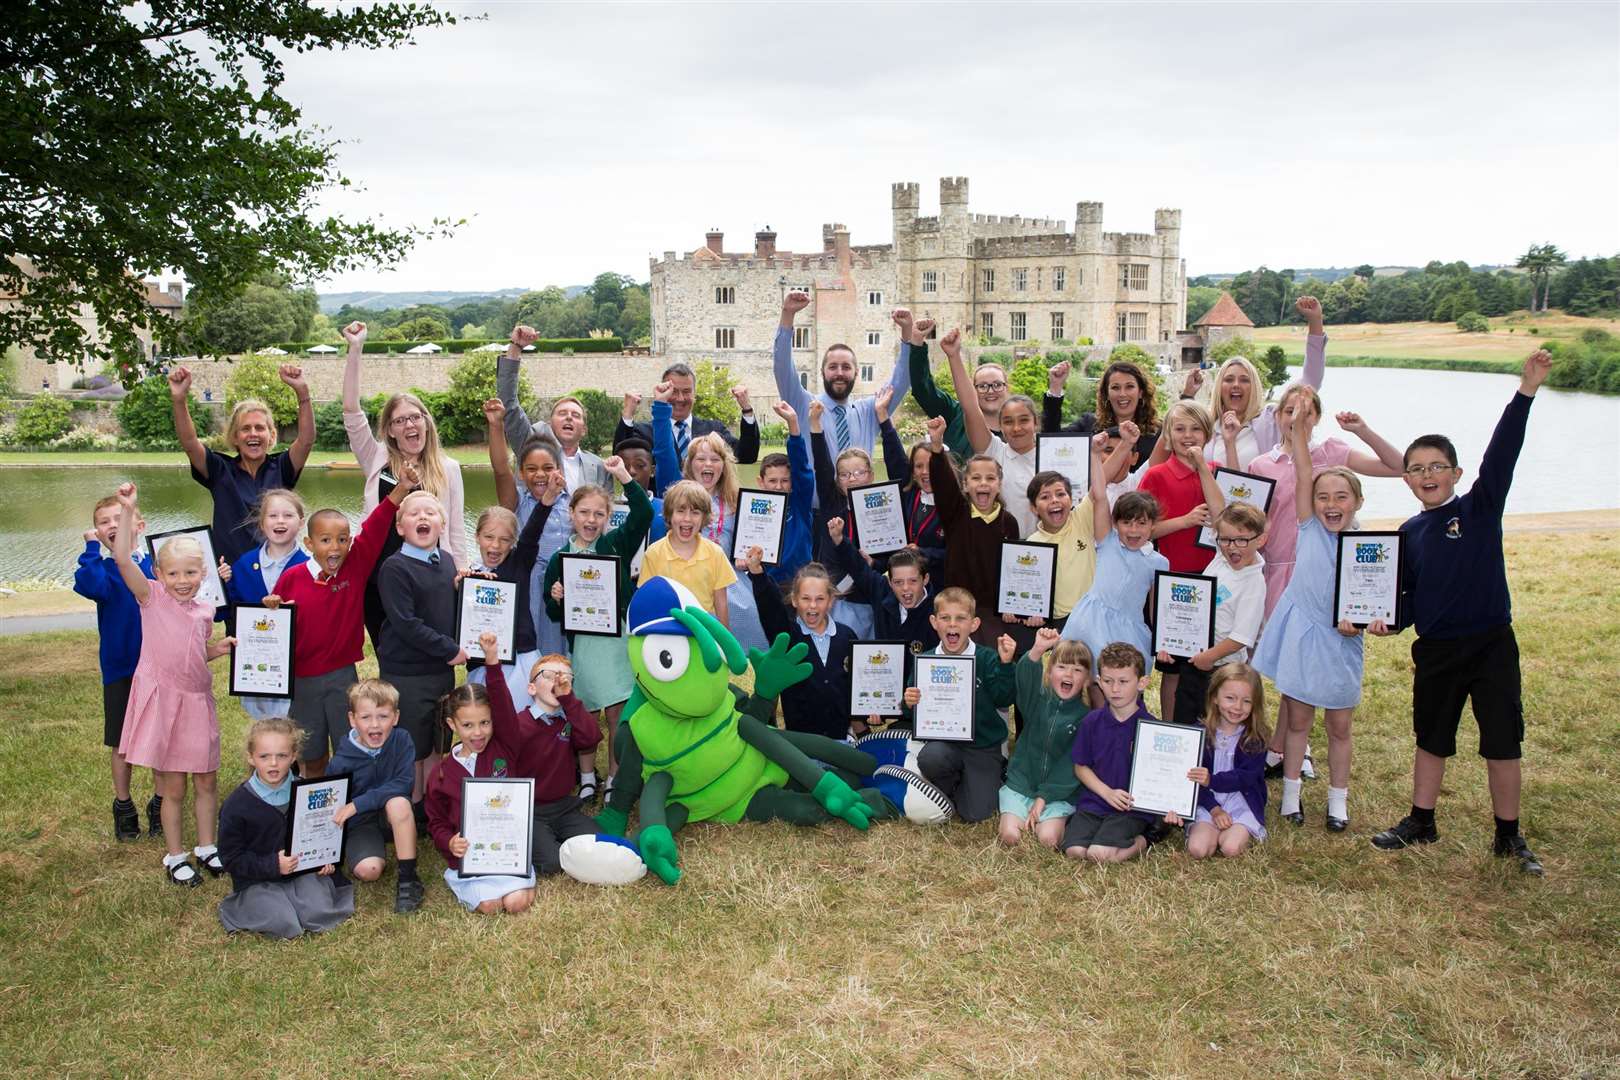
[459, 345]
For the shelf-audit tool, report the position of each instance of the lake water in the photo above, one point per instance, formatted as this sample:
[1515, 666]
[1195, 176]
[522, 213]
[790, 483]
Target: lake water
[1570, 461]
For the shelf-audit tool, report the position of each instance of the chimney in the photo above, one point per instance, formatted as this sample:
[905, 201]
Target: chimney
[764, 243]
[827, 237]
[840, 241]
[716, 241]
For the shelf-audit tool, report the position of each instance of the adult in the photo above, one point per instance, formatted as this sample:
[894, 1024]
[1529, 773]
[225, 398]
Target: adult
[1123, 393]
[682, 395]
[237, 480]
[851, 424]
[1013, 449]
[405, 433]
[990, 385]
[566, 425]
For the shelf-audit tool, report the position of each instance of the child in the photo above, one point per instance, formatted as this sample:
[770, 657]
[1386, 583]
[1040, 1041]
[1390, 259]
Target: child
[279, 518]
[820, 704]
[1059, 523]
[118, 620]
[902, 606]
[604, 664]
[171, 727]
[1041, 786]
[1456, 595]
[686, 555]
[252, 829]
[541, 481]
[833, 481]
[1314, 663]
[917, 489]
[972, 516]
[1232, 792]
[382, 759]
[1111, 610]
[1240, 606]
[1012, 448]
[329, 590]
[475, 752]
[791, 473]
[636, 453]
[547, 739]
[970, 773]
[1103, 827]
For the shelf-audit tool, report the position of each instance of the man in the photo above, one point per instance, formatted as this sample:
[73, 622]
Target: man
[688, 427]
[989, 383]
[566, 426]
[849, 424]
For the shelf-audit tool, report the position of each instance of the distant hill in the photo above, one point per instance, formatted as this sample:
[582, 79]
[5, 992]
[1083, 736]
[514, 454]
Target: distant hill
[1334, 273]
[382, 301]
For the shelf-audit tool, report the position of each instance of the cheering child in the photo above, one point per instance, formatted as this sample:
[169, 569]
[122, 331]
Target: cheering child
[971, 514]
[1059, 522]
[279, 518]
[1232, 792]
[1041, 785]
[382, 760]
[902, 606]
[686, 555]
[790, 474]
[820, 704]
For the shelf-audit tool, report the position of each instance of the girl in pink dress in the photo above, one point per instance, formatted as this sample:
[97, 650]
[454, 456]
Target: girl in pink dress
[171, 726]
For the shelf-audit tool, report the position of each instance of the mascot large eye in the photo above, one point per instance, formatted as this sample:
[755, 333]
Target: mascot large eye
[666, 655]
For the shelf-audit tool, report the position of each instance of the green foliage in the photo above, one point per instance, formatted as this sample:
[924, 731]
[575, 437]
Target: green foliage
[1473, 323]
[1200, 298]
[1222, 351]
[422, 328]
[259, 377]
[147, 419]
[249, 319]
[8, 371]
[711, 394]
[1028, 377]
[602, 413]
[1592, 363]
[1130, 352]
[1539, 262]
[1588, 287]
[330, 434]
[43, 419]
[1274, 366]
[459, 410]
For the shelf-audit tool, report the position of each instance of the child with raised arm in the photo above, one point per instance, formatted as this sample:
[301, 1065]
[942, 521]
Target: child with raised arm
[118, 622]
[1455, 593]
[382, 759]
[1313, 661]
[1013, 448]
[686, 555]
[541, 482]
[1041, 785]
[1069, 528]
[279, 518]
[902, 604]
[834, 479]
[791, 474]
[820, 704]
[971, 514]
[171, 727]
[1232, 781]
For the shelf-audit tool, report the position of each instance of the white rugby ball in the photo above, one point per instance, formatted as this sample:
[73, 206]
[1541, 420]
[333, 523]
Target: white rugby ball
[601, 860]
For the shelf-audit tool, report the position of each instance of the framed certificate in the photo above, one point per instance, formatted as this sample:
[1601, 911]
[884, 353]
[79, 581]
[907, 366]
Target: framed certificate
[761, 520]
[618, 513]
[945, 709]
[1238, 487]
[311, 833]
[262, 658]
[1160, 758]
[1028, 578]
[880, 517]
[1367, 583]
[1068, 453]
[487, 604]
[590, 594]
[1183, 613]
[213, 590]
[497, 821]
[877, 678]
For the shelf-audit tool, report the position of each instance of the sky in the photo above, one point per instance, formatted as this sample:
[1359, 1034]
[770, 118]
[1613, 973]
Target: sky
[578, 138]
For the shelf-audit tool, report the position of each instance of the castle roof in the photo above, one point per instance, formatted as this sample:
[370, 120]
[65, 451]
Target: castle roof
[1225, 313]
[162, 299]
[703, 254]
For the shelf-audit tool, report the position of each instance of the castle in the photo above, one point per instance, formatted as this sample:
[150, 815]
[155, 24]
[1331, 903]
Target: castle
[1012, 278]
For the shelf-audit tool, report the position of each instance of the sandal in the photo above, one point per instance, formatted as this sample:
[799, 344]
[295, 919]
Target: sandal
[587, 792]
[213, 864]
[183, 873]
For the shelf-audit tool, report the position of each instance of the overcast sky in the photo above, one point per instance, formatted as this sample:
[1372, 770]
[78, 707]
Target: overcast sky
[582, 138]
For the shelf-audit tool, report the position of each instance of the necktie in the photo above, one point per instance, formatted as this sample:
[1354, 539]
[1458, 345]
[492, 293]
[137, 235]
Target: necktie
[841, 426]
[682, 441]
[433, 558]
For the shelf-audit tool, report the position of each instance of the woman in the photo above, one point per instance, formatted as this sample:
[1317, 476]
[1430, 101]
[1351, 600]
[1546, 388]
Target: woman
[1123, 393]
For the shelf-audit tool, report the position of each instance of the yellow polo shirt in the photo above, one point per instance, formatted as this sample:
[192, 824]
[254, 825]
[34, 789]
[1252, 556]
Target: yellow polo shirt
[705, 573]
[1076, 556]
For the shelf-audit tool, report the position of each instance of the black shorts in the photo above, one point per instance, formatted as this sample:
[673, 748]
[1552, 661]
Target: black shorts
[1086, 829]
[419, 709]
[365, 837]
[114, 704]
[1483, 668]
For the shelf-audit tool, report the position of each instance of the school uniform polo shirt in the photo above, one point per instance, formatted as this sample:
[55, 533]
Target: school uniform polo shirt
[1104, 745]
[1177, 489]
[1076, 557]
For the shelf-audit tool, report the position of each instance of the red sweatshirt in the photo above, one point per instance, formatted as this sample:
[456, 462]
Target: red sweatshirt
[545, 749]
[442, 800]
[332, 613]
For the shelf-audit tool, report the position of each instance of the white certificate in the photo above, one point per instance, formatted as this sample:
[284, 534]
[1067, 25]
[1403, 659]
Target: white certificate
[497, 821]
[488, 605]
[618, 513]
[1067, 453]
[262, 658]
[1367, 585]
[1238, 487]
[945, 705]
[880, 517]
[1160, 759]
[311, 834]
[1183, 613]
[761, 521]
[213, 590]
[590, 594]
[877, 678]
[1028, 578]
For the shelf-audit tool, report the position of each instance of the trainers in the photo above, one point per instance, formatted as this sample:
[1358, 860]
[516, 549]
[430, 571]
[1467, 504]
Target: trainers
[154, 816]
[1519, 848]
[1405, 833]
[126, 820]
[408, 897]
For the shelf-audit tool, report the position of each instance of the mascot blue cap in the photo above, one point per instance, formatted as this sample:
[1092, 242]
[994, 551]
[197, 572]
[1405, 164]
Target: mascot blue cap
[650, 607]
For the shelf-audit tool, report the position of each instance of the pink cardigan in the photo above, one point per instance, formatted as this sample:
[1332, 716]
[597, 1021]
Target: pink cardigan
[373, 458]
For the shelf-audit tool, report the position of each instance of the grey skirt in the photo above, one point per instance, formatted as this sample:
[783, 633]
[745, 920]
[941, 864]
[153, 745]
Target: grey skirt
[287, 909]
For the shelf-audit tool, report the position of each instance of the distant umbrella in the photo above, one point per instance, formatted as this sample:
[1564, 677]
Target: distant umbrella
[427, 348]
[494, 346]
[320, 349]
[272, 351]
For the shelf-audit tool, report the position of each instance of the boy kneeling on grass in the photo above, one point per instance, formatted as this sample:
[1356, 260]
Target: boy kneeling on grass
[382, 759]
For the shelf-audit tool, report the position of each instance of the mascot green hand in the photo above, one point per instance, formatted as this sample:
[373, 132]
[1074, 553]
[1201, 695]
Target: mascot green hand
[783, 666]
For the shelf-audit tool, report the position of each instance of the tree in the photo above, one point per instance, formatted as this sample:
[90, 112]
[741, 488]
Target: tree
[260, 377]
[1540, 261]
[635, 321]
[601, 417]
[1473, 322]
[1274, 366]
[253, 318]
[609, 288]
[1200, 298]
[711, 394]
[1365, 271]
[140, 139]
[424, 328]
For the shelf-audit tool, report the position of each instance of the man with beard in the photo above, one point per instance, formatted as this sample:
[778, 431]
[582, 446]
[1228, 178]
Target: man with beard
[566, 426]
[682, 395]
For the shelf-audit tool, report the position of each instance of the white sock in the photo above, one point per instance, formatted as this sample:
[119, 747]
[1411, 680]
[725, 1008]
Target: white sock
[587, 778]
[204, 851]
[1338, 803]
[609, 784]
[1290, 799]
[1273, 758]
[175, 860]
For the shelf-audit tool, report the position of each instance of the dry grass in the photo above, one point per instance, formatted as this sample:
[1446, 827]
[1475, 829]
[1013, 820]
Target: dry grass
[1440, 341]
[901, 952]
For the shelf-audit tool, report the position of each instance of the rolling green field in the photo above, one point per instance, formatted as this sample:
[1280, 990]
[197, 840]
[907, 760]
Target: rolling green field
[900, 952]
[1512, 338]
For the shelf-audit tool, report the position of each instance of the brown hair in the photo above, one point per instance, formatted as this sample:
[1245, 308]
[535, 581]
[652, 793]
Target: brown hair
[430, 468]
[775, 461]
[909, 557]
[1070, 652]
[1136, 506]
[1147, 409]
[811, 570]
[102, 504]
[726, 489]
[463, 695]
[1244, 516]
[1257, 732]
[687, 495]
[589, 491]
[375, 691]
[1041, 479]
[1122, 654]
[496, 513]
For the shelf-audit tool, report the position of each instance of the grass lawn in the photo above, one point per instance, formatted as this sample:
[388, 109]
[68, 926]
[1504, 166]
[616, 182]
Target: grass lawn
[1439, 341]
[903, 951]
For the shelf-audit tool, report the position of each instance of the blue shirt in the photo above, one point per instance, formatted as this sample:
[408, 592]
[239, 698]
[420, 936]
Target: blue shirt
[236, 494]
[821, 641]
[118, 616]
[427, 555]
[860, 413]
[378, 775]
[254, 574]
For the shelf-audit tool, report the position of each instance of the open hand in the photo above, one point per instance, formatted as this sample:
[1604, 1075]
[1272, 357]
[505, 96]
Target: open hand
[1119, 799]
[222, 647]
[880, 402]
[1199, 776]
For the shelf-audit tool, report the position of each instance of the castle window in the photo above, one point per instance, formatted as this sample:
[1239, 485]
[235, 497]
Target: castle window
[801, 337]
[1019, 330]
[930, 281]
[874, 337]
[867, 374]
[1059, 276]
[725, 337]
[1057, 326]
[1133, 276]
[804, 380]
[987, 279]
[1131, 326]
[1037, 279]
[987, 323]
[874, 299]
[1020, 278]
[725, 294]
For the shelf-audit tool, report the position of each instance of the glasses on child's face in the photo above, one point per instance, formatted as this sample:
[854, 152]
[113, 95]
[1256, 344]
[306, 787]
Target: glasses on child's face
[408, 420]
[1239, 542]
[854, 474]
[1433, 468]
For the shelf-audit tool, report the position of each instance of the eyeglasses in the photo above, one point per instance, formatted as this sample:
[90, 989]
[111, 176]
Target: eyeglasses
[1434, 468]
[409, 420]
[1238, 542]
[853, 474]
[989, 387]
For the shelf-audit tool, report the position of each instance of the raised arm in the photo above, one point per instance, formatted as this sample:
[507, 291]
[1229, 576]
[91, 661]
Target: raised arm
[666, 463]
[304, 441]
[184, 429]
[978, 432]
[355, 335]
[1304, 494]
[1315, 340]
[895, 462]
[500, 457]
[1502, 452]
[1385, 460]
[827, 492]
[787, 377]
[1213, 499]
[900, 376]
[1057, 377]
[948, 498]
[1102, 515]
[746, 445]
[773, 614]
[802, 483]
[507, 369]
[123, 545]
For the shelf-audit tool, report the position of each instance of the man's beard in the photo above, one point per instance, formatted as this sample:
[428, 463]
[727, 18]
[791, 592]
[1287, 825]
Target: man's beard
[830, 385]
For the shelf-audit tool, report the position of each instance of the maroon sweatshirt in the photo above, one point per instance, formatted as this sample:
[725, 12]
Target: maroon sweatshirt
[544, 748]
[442, 799]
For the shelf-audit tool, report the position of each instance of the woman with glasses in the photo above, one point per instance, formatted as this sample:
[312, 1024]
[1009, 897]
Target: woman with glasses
[405, 433]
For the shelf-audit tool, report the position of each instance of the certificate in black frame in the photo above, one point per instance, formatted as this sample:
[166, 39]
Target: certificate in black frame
[856, 502]
[970, 666]
[901, 655]
[526, 817]
[779, 497]
[1147, 726]
[210, 556]
[1078, 490]
[295, 804]
[1206, 535]
[1051, 577]
[291, 612]
[1163, 578]
[474, 654]
[1399, 543]
[609, 565]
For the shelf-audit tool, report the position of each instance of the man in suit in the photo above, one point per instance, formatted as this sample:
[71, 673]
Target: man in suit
[566, 425]
[688, 427]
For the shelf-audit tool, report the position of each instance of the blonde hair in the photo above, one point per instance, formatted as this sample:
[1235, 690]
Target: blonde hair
[261, 507]
[1296, 389]
[375, 691]
[1340, 471]
[1194, 412]
[687, 495]
[102, 504]
[1073, 653]
[273, 725]
[1257, 732]
[726, 489]
[853, 452]
[180, 547]
[496, 513]
[431, 466]
[1243, 516]
[1256, 388]
[242, 408]
[590, 491]
[419, 494]
[958, 596]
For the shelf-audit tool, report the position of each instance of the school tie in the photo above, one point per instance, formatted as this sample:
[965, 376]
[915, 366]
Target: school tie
[682, 440]
[841, 427]
[433, 558]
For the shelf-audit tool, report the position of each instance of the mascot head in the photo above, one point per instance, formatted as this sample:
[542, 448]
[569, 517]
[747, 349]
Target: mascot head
[667, 625]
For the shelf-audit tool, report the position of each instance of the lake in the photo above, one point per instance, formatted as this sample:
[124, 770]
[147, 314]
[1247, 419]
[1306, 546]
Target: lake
[1570, 461]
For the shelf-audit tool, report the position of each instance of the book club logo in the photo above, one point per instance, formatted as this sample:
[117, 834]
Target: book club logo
[943, 675]
[876, 500]
[1371, 553]
[1184, 594]
[486, 596]
[1165, 742]
[320, 798]
[759, 506]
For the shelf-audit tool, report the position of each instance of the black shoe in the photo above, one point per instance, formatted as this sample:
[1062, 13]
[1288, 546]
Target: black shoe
[214, 864]
[1157, 832]
[1296, 818]
[1519, 849]
[408, 897]
[126, 820]
[154, 816]
[184, 873]
[1337, 824]
[1274, 772]
[1405, 833]
[587, 792]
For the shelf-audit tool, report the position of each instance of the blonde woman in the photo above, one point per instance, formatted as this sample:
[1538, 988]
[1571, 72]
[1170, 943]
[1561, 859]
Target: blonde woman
[236, 481]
